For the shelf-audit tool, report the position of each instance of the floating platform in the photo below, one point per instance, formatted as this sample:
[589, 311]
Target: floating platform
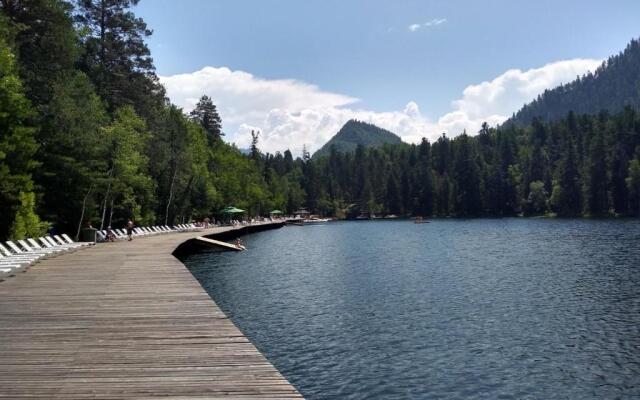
[218, 244]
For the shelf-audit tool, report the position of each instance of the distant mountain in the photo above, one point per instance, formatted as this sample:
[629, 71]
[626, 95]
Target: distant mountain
[354, 133]
[614, 85]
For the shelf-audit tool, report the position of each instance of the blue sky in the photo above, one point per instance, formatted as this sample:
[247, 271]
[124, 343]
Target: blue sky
[369, 53]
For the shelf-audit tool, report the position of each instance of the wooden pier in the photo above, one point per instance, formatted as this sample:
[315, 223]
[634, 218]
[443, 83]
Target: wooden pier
[217, 244]
[125, 320]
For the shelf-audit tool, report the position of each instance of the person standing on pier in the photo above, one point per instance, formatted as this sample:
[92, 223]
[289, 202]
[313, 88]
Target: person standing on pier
[130, 230]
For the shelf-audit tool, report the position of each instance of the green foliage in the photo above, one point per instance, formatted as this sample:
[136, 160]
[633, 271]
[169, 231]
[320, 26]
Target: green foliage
[17, 141]
[633, 184]
[115, 55]
[126, 179]
[537, 200]
[206, 114]
[26, 222]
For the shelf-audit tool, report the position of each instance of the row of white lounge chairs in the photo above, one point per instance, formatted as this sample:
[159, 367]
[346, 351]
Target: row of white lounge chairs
[17, 257]
[121, 234]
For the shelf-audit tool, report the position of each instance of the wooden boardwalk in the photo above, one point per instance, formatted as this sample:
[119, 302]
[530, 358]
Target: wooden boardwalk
[124, 320]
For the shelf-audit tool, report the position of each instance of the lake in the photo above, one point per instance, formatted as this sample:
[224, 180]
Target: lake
[473, 309]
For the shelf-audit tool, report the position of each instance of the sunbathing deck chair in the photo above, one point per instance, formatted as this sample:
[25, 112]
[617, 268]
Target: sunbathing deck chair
[119, 235]
[57, 245]
[16, 265]
[34, 244]
[31, 249]
[18, 250]
[6, 272]
[19, 258]
[101, 237]
[61, 242]
[68, 240]
[50, 245]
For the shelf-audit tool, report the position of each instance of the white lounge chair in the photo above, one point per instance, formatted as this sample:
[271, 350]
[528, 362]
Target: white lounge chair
[18, 258]
[18, 250]
[31, 249]
[68, 240]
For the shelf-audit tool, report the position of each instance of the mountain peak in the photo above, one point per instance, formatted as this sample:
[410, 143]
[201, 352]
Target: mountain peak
[355, 133]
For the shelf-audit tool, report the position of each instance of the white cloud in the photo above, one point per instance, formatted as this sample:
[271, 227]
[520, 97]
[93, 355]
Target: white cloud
[433, 22]
[494, 101]
[292, 113]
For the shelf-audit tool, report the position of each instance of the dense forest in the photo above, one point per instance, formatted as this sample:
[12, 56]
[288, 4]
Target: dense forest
[613, 86]
[581, 165]
[87, 135]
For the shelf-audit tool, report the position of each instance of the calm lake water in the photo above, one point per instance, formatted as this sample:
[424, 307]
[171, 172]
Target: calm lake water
[486, 309]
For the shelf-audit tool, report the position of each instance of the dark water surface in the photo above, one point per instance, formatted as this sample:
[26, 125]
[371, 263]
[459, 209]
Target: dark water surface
[490, 309]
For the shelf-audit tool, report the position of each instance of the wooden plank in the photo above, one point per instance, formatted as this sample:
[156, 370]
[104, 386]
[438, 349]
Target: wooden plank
[124, 320]
[218, 244]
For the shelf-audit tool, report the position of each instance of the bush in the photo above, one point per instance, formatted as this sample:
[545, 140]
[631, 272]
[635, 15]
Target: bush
[27, 223]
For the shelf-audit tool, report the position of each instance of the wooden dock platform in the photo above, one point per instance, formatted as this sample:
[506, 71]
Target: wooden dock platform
[124, 320]
[217, 244]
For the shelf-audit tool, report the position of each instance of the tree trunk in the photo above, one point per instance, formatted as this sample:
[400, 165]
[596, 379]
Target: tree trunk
[84, 204]
[185, 196]
[166, 213]
[106, 197]
[110, 212]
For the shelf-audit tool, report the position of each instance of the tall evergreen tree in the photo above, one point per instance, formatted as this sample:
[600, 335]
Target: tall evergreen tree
[595, 182]
[116, 56]
[565, 198]
[466, 188]
[206, 114]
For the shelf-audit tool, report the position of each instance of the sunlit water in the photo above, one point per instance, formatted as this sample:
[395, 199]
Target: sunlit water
[490, 309]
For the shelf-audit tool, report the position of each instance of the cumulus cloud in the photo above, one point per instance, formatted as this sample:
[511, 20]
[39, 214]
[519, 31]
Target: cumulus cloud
[433, 22]
[291, 113]
[494, 101]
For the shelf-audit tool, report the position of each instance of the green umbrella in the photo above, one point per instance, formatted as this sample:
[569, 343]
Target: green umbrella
[276, 212]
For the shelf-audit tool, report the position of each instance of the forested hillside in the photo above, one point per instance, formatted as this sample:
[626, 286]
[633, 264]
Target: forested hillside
[87, 134]
[580, 165]
[614, 85]
[355, 133]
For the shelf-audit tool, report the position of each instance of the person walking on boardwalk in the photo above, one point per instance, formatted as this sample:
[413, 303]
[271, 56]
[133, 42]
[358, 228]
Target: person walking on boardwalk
[130, 230]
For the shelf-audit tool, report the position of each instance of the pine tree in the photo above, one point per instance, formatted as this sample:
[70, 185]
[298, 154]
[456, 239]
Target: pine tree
[425, 176]
[115, 55]
[565, 198]
[595, 182]
[466, 179]
[255, 151]
[206, 114]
